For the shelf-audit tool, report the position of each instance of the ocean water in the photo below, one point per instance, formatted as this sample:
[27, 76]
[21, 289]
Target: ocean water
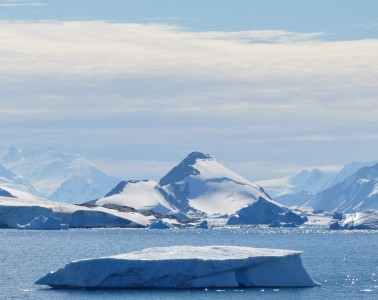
[344, 262]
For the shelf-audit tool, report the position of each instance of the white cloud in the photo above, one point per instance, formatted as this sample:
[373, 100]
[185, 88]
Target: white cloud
[22, 4]
[178, 71]
[111, 49]
[157, 92]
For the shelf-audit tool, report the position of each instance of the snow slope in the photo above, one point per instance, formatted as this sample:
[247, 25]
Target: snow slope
[201, 184]
[59, 176]
[185, 267]
[360, 220]
[17, 207]
[358, 192]
[15, 181]
[139, 194]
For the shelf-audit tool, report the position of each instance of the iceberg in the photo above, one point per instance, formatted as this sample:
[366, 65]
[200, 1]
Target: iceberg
[203, 225]
[185, 267]
[160, 224]
[43, 223]
[360, 220]
[264, 212]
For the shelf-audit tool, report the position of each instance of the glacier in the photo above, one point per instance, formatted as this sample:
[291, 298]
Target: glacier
[360, 220]
[18, 207]
[185, 267]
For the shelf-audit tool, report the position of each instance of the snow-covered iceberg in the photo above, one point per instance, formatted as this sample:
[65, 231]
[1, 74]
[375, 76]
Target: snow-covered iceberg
[361, 220]
[185, 267]
[264, 212]
[43, 223]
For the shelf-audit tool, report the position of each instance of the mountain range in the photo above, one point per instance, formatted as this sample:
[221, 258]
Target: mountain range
[358, 192]
[310, 181]
[198, 185]
[54, 175]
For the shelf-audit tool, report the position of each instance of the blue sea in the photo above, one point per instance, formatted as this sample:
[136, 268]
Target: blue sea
[344, 262]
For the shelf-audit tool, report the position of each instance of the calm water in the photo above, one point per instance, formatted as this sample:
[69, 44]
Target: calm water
[346, 263]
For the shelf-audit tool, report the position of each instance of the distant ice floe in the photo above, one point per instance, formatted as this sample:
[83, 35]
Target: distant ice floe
[185, 267]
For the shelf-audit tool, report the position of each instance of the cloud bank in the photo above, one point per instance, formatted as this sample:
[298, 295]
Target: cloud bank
[153, 90]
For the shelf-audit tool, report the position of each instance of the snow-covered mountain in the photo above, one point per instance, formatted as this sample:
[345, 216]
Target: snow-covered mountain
[295, 200]
[141, 195]
[59, 176]
[358, 192]
[306, 182]
[201, 184]
[18, 207]
[15, 181]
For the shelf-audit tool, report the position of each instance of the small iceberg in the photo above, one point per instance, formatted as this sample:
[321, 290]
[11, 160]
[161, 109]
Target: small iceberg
[203, 225]
[264, 212]
[160, 224]
[359, 220]
[278, 224]
[43, 223]
[185, 267]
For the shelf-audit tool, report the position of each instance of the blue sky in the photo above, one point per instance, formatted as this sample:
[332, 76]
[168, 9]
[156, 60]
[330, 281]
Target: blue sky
[342, 19]
[267, 87]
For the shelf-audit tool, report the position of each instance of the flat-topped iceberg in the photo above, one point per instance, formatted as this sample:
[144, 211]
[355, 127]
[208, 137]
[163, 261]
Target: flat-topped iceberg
[185, 267]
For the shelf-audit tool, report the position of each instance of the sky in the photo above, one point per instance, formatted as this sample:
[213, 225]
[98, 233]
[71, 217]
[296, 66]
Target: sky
[267, 87]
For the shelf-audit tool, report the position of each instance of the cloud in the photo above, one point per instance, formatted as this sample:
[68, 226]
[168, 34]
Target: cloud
[154, 92]
[111, 49]
[167, 68]
[22, 4]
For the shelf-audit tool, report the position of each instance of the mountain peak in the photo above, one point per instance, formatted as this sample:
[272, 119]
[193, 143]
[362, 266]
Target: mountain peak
[11, 153]
[192, 157]
[185, 168]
